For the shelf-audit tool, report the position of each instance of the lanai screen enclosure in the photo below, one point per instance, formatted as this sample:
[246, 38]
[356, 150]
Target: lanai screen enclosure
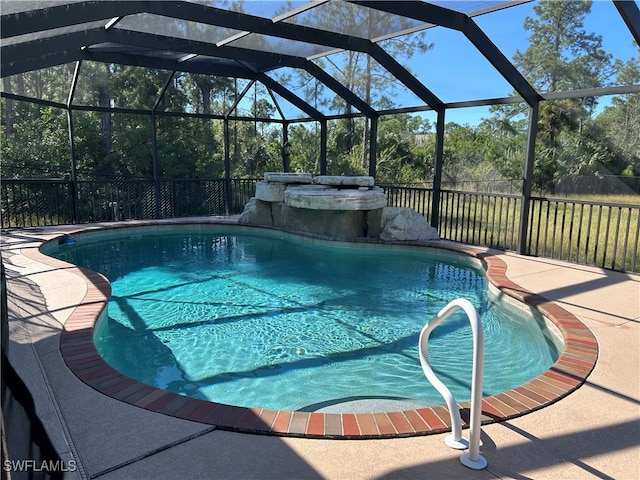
[296, 56]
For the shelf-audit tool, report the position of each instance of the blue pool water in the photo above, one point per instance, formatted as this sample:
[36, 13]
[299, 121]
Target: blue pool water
[284, 323]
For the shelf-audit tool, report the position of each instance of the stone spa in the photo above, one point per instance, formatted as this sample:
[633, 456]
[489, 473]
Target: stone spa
[339, 207]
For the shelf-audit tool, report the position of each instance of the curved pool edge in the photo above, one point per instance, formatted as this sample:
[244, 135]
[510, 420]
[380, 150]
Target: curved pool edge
[576, 361]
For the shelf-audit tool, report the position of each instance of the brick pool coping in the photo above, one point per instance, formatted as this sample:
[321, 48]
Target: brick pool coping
[576, 361]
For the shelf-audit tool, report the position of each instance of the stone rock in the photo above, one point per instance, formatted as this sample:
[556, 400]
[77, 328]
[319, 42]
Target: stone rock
[344, 181]
[336, 224]
[270, 191]
[374, 223]
[334, 199]
[256, 212]
[400, 224]
[282, 177]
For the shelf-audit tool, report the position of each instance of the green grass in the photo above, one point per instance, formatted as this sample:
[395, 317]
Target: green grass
[580, 229]
[590, 234]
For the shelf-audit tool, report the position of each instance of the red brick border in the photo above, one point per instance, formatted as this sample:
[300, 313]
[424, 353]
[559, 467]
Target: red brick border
[573, 366]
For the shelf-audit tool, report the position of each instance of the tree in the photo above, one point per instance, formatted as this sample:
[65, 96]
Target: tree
[505, 144]
[561, 55]
[406, 147]
[305, 147]
[357, 71]
[622, 119]
[38, 145]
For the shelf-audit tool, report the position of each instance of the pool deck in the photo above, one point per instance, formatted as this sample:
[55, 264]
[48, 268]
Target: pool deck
[594, 432]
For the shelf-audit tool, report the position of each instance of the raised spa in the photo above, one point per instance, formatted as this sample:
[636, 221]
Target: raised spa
[255, 318]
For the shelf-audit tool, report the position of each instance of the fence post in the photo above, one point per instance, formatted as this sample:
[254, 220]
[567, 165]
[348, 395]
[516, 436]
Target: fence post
[528, 180]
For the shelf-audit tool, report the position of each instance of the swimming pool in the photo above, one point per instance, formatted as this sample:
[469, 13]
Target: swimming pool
[285, 323]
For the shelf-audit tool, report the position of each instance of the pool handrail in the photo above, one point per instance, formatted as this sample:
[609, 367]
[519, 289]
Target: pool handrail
[472, 459]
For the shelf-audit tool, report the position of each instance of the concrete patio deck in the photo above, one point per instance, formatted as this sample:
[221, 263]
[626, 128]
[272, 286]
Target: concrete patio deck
[592, 433]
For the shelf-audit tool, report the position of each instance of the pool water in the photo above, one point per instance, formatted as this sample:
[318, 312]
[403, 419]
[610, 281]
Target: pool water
[289, 324]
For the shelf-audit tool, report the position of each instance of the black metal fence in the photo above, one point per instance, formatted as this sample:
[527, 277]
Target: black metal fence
[32, 203]
[586, 232]
[603, 234]
[485, 219]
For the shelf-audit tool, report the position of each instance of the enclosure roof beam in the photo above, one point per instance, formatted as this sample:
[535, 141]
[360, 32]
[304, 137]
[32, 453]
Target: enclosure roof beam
[277, 105]
[227, 70]
[339, 88]
[290, 96]
[239, 54]
[239, 98]
[58, 16]
[74, 83]
[405, 77]
[12, 52]
[167, 82]
[46, 52]
[29, 64]
[173, 44]
[429, 13]
[245, 22]
[36, 101]
[91, 11]
[630, 13]
[290, 31]
[69, 45]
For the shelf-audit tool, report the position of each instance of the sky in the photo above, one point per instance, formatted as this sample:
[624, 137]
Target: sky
[455, 71]
[472, 77]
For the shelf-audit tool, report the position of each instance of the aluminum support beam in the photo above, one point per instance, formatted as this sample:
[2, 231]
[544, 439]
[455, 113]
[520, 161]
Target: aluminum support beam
[74, 83]
[167, 82]
[323, 146]
[74, 169]
[32, 49]
[404, 76]
[239, 98]
[227, 167]
[630, 13]
[429, 13]
[28, 64]
[59, 16]
[290, 31]
[437, 170]
[156, 162]
[339, 88]
[228, 70]
[527, 182]
[72, 145]
[373, 145]
[89, 11]
[286, 159]
[290, 97]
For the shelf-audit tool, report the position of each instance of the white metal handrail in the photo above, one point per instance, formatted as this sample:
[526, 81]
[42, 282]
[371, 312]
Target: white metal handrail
[472, 459]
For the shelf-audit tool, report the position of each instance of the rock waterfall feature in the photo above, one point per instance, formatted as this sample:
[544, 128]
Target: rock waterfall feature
[340, 207]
